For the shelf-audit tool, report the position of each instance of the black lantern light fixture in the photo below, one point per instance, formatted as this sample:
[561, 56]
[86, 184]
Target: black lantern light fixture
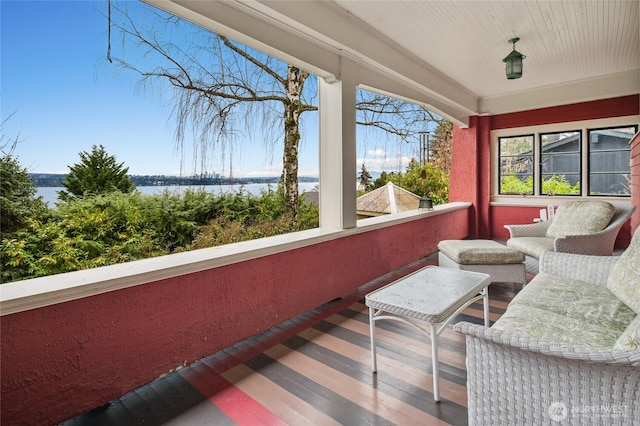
[514, 61]
[425, 203]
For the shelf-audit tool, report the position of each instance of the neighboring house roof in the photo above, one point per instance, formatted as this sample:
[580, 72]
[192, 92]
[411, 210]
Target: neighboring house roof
[388, 199]
[623, 139]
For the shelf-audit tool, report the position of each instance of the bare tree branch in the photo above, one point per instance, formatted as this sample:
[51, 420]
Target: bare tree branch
[218, 84]
[215, 82]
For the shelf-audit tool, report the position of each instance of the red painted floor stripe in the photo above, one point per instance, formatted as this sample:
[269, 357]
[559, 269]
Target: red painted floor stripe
[236, 404]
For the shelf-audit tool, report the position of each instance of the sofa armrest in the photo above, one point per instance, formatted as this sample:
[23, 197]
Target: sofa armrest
[592, 269]
[553, 349]
[514, 379]
[528, 230]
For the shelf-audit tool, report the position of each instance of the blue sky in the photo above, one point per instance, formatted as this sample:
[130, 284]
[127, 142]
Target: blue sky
[62, 97]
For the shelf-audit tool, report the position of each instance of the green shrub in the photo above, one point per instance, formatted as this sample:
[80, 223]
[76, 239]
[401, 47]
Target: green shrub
[81, 234]
[559, 185]
[511, 184]
[421, 180]
[114, 227]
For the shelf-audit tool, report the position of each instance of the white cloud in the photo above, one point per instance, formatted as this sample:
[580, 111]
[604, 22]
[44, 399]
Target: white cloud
[384, 163]
[377, 153]
[266, 171]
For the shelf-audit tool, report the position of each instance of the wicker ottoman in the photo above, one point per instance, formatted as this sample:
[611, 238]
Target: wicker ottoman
[486, 256]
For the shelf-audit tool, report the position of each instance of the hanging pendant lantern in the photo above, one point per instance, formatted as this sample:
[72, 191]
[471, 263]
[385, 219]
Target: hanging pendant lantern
[514, 61]
[425, 203]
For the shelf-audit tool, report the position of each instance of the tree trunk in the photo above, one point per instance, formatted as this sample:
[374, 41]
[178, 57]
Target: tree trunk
[292, 109]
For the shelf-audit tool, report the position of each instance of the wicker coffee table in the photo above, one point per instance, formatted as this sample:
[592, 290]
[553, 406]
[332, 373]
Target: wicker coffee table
[432, 294]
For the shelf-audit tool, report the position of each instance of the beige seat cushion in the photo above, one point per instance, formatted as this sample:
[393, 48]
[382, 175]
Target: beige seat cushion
[581, 218]
[592, 303]
[543, 324]
[479, 252]
[531, 246]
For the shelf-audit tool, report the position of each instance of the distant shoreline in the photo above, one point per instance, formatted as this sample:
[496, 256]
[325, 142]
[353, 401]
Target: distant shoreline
[43, 180]
[49, 194]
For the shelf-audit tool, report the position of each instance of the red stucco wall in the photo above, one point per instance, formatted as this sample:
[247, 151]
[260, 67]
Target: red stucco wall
[65, 359]
[509, 215]
[635, 181]
[603, 108]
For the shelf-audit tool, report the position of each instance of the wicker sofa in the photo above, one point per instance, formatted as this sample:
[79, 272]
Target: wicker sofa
[567, 349]
[582, 227]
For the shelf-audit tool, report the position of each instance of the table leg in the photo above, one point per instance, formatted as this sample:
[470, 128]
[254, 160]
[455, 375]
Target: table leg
[485, 302]
[372, 333]
[434, 358]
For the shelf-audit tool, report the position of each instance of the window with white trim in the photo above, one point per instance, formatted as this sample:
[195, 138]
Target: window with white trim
[580, 162]
[516, 164]
[560, 163]
[609, 155]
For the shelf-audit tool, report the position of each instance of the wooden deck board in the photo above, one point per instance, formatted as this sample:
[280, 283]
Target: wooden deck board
[315, 369]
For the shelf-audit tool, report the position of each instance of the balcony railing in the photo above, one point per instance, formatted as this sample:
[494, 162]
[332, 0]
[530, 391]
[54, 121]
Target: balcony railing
[315, 369]
[73, 342]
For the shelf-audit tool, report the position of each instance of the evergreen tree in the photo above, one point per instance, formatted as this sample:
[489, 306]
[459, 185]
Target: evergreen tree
[96, 173]
[18, 201]
[382, 180]
[441, 146]
[365, 179]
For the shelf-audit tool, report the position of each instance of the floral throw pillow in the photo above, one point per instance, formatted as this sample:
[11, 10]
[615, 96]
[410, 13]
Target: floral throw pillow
[629, 340]
[581, 218]
[624, 279]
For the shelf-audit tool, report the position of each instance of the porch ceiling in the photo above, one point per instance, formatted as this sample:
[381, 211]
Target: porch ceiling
[564, 41]
[449, 51]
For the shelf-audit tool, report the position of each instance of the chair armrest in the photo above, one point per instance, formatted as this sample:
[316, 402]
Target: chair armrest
[597, 244]
[528, 230]
[592, 269]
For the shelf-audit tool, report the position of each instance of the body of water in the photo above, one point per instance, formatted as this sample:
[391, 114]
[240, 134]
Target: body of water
[50, 193]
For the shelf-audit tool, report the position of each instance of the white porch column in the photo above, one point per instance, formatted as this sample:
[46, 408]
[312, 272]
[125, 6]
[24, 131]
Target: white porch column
[337, 128]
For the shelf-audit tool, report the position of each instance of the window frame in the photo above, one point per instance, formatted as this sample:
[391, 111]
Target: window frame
[588, 143]
[583, 127]
[533, 155]
[538, 142]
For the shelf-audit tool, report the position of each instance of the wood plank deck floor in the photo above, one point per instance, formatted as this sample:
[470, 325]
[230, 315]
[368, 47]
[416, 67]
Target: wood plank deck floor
[315, 369]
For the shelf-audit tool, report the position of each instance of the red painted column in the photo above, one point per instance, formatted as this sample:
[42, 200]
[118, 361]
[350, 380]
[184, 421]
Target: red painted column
[470, 178]
[484, 176]
[463, 177]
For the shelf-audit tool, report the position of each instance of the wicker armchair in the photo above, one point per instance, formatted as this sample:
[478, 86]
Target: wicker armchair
[535, 235]
[515, 378]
